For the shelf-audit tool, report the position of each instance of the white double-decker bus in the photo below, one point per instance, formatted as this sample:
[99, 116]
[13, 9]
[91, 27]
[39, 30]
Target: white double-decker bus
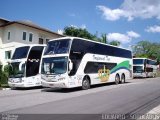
[25, 66]
[72, 62]
[144, 67]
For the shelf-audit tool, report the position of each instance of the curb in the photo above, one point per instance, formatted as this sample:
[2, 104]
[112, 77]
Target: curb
[153, 114]
[6, 89]
[155, 110]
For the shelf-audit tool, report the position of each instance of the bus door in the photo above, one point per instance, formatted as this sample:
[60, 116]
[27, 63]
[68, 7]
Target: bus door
[33, 61]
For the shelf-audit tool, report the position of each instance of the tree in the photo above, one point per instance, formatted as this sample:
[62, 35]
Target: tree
[115, 43]
[147, 49]
[104, 38]
[3, 77]
[83, 33]
[78, 32]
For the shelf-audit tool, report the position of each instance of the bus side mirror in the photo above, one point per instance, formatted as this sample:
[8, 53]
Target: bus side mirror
[70, 65]
[22, 66]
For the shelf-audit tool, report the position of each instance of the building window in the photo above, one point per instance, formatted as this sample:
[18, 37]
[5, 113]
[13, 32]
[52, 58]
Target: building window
[8, 54]
[40, 41]
[30, 37]
[9, 35]
[24, 35]
[47, 41]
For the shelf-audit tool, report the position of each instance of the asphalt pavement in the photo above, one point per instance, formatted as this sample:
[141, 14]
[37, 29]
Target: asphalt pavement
[124, 101]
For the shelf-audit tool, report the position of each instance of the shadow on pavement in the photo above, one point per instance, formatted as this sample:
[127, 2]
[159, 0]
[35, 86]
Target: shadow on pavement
[67, 90]
[28, 88]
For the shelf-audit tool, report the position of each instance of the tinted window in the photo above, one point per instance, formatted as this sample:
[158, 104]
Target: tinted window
[151, 62]
[33, 61]
[93, 67]
[80, 47]
[20, 52]
[149, 69]
[57, 47]
[15, 71]
[138, 61]
[138, 69]
[97, 48]
[55, 65]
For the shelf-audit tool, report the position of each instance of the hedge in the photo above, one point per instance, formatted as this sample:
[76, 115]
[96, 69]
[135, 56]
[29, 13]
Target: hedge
[3, 76]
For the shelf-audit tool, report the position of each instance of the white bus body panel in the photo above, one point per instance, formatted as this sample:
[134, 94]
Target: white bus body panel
[145, 74]
[33, 81]
[25, 81]
[76, 80]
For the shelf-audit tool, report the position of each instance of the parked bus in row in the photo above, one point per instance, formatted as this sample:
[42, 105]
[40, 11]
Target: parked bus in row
[25, 66]
[75, 62]
[144, 67]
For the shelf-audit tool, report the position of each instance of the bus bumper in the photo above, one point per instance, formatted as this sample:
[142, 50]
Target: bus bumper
[12, 85]
[54, 84]
[23, 83]
[136, 75]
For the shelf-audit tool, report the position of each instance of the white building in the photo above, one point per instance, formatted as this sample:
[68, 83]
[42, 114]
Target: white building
[17, 33]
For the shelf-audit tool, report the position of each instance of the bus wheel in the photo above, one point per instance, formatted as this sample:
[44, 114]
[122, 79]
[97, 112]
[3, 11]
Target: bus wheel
[85, 84]
[117, 79]
[123, 78]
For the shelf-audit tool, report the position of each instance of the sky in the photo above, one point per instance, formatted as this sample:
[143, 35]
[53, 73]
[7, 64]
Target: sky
[128, 21]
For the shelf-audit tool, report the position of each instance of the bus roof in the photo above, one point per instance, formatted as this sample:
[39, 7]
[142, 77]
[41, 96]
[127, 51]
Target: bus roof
[145, 58]
[88, 40]
[32, 45]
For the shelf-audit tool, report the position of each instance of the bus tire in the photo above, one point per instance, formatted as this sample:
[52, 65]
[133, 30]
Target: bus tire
[117, 79]
[123, 80]
[85, 83]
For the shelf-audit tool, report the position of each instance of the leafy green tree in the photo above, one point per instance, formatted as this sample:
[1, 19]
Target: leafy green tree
[78, 32]
[142, 48]
[83, 33]
[115, 43]
[147, 49]
[3, 76]
[104, 38]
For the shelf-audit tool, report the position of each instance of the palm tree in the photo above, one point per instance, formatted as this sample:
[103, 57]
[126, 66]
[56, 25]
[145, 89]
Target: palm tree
[104, 38]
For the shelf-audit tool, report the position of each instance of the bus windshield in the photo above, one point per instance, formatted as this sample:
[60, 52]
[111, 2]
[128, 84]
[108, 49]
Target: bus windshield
[15, 71]
[20, 52]
[138, 69]
[54, 65]
[57, 47]
[138, 61]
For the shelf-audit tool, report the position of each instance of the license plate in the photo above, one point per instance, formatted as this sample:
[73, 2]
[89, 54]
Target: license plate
[51, 84]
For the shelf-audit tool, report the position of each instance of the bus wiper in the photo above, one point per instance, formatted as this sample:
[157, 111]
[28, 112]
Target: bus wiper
[51, 52]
